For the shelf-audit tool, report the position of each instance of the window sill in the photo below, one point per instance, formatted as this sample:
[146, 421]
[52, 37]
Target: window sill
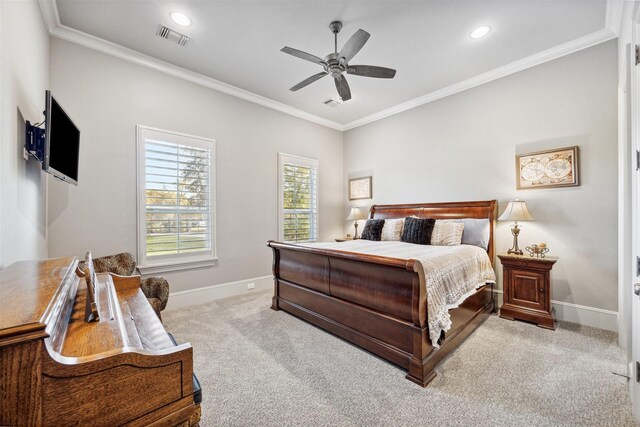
[176, 266]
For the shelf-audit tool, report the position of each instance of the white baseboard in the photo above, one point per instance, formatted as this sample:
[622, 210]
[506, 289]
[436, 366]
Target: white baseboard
[211, 293]
[581, 314]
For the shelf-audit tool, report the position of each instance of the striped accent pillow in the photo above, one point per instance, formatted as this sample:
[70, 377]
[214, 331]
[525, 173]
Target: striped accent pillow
[418, 230]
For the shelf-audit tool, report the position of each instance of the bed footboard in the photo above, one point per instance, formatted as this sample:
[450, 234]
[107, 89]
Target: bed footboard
[377, 303]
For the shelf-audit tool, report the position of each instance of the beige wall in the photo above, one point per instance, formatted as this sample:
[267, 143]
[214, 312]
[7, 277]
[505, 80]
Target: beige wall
[463, 147]
[24, 77]
[107, 97]
[468, 140]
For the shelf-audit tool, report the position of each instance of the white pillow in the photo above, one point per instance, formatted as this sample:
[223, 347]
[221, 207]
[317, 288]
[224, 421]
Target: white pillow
[392, 229]
[447, 233]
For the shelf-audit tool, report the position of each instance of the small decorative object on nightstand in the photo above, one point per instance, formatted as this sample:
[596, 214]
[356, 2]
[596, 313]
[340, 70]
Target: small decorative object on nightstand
[344, 239]
[516, 211]
[527, 289]
[354, 215]
[537, 250]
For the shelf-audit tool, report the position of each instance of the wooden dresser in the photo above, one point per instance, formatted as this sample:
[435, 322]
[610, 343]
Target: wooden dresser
[58, 370]
[526, 287]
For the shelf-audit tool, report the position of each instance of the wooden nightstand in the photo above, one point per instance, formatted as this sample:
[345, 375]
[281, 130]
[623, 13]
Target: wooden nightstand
[526, 287]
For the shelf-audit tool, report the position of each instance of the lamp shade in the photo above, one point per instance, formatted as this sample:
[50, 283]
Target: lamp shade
[516, 211]
[356, 214]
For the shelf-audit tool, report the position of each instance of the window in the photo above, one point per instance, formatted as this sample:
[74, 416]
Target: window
[176, 200]
[298, 204]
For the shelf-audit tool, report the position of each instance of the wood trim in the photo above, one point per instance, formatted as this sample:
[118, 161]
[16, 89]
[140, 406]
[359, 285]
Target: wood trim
[372, 259]
[30, 332]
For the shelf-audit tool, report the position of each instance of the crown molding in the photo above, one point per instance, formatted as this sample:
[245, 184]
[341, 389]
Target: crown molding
[613, 19]
[613, 22]
[50, 14]
[56, 29]
[514, 67]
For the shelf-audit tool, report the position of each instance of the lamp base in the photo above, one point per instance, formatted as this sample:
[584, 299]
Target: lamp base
[515, 230]
[355, 235]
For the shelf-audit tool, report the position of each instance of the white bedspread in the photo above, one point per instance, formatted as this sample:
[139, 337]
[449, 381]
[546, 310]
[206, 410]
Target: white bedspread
[451, 273]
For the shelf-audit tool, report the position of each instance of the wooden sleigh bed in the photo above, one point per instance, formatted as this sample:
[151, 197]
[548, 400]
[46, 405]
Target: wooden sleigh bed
[380, 303]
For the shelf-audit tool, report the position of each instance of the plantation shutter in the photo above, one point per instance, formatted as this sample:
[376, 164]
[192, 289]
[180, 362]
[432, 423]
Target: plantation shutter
[177, 202]
[176, 221]
[299, 199]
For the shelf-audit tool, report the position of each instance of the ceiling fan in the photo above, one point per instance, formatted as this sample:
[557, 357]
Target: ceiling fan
[337, 63]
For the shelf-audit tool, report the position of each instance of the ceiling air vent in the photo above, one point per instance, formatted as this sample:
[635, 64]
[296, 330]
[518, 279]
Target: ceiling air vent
[332, 102]
[169, 34]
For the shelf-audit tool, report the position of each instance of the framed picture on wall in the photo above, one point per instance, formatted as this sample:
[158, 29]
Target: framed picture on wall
[360, 188]
[548, 169]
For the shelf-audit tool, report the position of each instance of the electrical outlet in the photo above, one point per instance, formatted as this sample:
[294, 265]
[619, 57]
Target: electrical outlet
[251, 285]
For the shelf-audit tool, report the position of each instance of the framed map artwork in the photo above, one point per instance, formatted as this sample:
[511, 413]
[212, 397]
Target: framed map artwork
[548, 169]
[360, 188]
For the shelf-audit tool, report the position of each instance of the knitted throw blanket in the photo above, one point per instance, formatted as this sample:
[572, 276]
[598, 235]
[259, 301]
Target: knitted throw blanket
[450, 273]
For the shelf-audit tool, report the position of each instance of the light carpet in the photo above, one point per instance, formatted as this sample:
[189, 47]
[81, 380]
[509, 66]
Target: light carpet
[262, 367]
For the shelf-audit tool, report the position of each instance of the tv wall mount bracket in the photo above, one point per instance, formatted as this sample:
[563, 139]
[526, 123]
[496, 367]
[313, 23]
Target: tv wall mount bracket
[35, 140]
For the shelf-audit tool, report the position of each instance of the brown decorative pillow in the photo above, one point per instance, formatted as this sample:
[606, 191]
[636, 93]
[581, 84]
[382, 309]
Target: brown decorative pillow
[418, 230]
[373, 229]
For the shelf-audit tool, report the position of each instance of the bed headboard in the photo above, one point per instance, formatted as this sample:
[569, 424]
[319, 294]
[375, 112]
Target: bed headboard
[448, 210]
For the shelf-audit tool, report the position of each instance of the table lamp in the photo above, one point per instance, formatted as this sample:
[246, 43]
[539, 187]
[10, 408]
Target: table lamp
[516, 211]
[355, 214]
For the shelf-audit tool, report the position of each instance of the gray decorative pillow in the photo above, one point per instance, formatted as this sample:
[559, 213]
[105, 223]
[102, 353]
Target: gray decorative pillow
[418, 230]
[476, 232]
[372, 229]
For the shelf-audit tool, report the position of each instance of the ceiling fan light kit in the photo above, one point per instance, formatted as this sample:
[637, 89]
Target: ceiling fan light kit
[337, 63]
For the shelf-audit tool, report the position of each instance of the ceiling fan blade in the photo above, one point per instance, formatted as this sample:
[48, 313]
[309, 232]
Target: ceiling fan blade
[302, 55]
[343, 88]
[371, 71]
[354, 44]
[308, 81]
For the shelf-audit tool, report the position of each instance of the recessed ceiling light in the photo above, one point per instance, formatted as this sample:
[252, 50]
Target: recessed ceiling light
[480, 32]
[181, 19]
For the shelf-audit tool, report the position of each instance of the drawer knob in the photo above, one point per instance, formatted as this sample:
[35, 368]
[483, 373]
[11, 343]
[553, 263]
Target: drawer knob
[542, 290]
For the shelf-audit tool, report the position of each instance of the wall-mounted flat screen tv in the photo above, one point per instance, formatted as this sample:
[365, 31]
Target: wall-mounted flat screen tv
[62, 143]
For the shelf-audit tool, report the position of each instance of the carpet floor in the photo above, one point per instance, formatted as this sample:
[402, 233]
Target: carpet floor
[262, 367]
